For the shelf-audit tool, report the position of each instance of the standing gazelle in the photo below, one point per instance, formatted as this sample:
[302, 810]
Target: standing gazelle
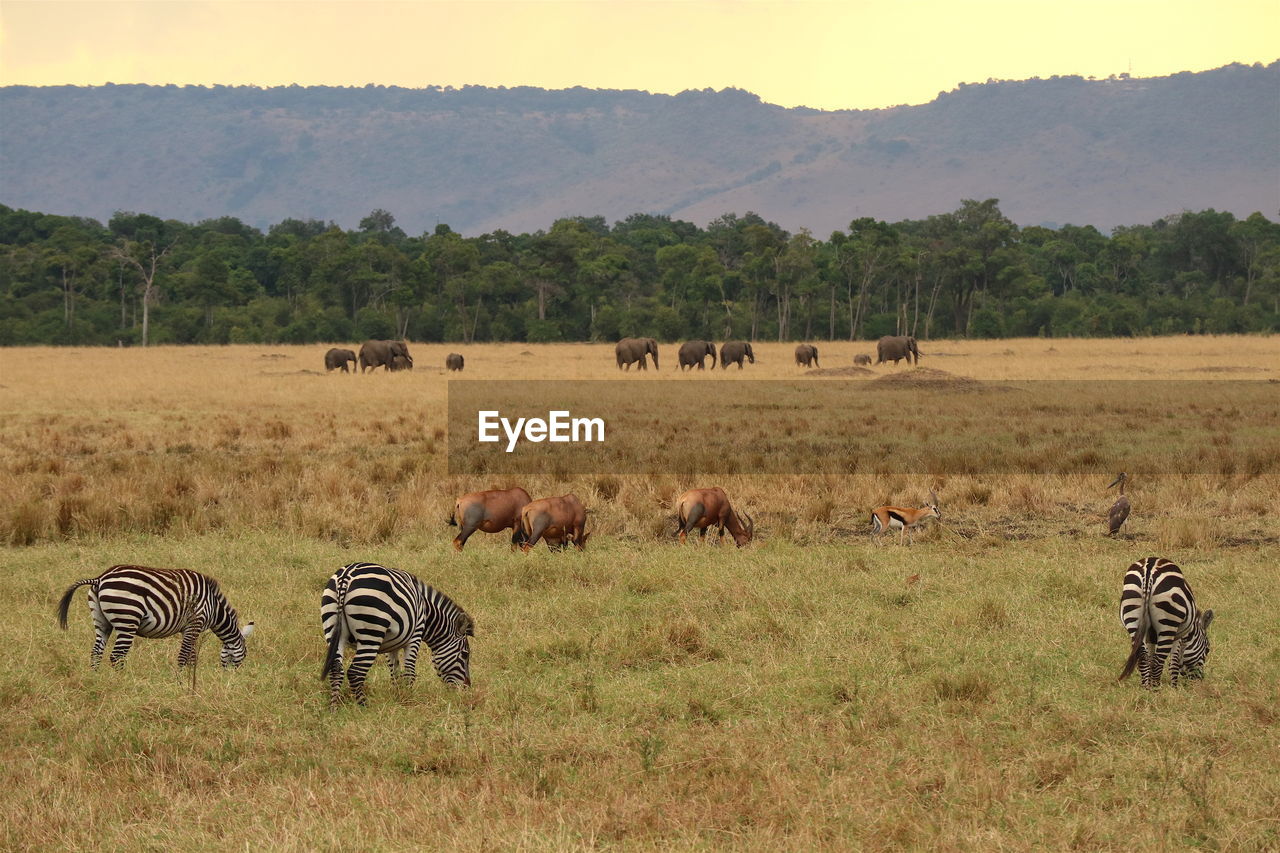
[902, 518]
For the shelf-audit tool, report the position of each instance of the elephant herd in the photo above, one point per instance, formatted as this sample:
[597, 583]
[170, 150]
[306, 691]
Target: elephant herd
[390, 355]
[394, 355]
[693, 354]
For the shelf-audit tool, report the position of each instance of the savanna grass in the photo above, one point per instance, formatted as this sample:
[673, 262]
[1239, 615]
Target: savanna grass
[812, 690]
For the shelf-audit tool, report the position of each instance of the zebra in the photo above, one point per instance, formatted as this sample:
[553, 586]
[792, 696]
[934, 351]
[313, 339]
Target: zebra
[378, 609]
[1160, 614]
[137, 601]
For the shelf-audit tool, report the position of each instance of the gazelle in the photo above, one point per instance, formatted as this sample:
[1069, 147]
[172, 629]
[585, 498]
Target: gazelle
[902, 518]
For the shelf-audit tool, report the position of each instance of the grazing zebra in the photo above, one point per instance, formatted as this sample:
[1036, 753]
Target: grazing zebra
[1160, 614]
[136, 601]
[378, 609]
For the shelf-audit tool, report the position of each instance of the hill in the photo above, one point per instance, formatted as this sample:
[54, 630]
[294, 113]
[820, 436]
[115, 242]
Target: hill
[1065, 149]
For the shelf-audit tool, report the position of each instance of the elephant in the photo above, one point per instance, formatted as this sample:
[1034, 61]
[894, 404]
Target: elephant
[630, 350]
[400, 362]
[806, 353]
[862, 358]
[336, 358]
[894, 348]
[696, 352]
[453, 361]
[375, 354]
[735, 351]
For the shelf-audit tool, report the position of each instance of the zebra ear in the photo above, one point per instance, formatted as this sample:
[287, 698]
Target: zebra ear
[246, 630]
[1206, 618]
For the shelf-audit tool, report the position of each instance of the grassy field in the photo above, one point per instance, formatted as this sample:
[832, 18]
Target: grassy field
[814, 690]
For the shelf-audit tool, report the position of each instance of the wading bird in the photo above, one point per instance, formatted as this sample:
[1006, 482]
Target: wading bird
[1120, 509]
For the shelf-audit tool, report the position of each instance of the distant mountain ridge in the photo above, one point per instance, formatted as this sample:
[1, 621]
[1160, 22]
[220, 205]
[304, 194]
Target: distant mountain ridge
[1102, 152]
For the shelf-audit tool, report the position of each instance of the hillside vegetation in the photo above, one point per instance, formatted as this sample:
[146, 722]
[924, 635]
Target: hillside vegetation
[1057, 151]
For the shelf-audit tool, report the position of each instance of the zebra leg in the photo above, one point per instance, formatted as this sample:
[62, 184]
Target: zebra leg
[361, 663]
[124, 642]
[393, 664]
[187, 651]
[411, 660]
[1157, 657]
[1175, 663]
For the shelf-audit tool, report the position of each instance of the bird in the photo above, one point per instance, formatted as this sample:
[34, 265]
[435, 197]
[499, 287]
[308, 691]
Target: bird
[1120, 509]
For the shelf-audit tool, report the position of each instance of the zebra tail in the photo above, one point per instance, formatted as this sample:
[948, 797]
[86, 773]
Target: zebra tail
[331, 656]
[65, 603]
[1139, 638]
[335, 639]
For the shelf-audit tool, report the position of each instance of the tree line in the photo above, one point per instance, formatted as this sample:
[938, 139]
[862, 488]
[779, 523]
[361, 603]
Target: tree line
[970, 272]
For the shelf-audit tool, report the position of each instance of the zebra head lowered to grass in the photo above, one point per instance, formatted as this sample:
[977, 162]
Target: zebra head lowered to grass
[1160, 614]
[377, 609]
[137, 601]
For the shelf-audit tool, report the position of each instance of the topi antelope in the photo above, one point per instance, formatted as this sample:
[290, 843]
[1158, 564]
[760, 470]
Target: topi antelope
[902, 518]
[559, 521]
[489, 512]
[702, 508]
[1119, 512]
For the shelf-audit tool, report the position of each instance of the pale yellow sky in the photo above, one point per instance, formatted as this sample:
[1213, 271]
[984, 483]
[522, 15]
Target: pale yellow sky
[820, 53]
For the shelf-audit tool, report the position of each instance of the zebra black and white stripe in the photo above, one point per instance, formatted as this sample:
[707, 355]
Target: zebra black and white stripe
[377, 609]
[1160, 614]
[137, 601]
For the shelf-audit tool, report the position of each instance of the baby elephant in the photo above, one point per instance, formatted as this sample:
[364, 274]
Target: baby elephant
[336, 358]
[453, 361]
[862, 358]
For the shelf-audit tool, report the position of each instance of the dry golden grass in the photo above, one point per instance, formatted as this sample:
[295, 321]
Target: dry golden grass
[815, 690]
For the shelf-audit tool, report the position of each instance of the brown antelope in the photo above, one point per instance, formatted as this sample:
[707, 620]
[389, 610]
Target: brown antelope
[702, 508]
[491, 512]
[904, 519]
[559, 521]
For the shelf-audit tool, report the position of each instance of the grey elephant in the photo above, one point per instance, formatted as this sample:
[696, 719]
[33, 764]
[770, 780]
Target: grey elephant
[694, 353]
[896, 347]
[453, 361]
[400, 362]
[806, 353]
[338, 358]
[736, 351]
[862, 358]
[631, 350]
[375, 354]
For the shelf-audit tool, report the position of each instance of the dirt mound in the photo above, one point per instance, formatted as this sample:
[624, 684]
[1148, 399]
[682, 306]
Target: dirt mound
[840, 371]
[927, 377]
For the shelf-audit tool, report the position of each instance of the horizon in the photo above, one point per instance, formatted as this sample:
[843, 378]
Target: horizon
[824, 55]
[448, 88]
